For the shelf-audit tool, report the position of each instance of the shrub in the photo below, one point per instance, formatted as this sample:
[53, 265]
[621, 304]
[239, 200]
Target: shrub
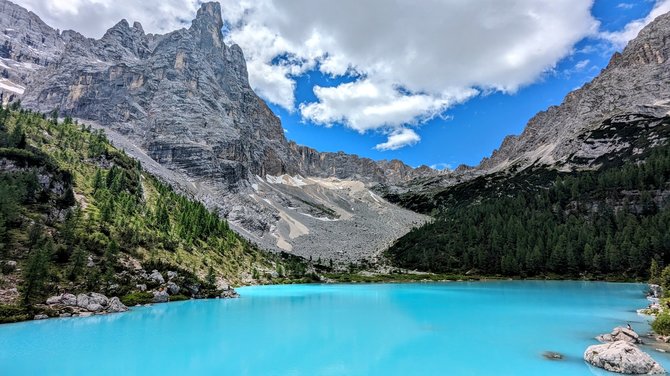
[178, 297]
[137, 297]
[661, 325]
[10, 313]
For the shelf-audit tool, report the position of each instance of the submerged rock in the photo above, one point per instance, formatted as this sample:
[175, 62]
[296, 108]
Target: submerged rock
[620, 334]
[551, 355]
[622, 357]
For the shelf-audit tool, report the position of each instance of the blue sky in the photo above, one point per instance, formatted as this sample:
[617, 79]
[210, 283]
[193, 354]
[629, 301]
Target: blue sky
[467, 132]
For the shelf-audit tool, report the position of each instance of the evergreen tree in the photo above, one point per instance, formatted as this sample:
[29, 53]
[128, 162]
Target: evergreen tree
[36, 273]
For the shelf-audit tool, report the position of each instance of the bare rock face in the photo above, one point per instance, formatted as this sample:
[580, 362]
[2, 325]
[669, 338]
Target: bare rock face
[622, 357]
[26, 45]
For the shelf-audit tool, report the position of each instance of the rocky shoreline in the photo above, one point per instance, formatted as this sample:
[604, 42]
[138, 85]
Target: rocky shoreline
[619, 351]
[163, 290]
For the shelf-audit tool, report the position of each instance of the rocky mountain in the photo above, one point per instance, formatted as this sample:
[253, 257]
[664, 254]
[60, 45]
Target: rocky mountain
[182, 104]
[27, 44]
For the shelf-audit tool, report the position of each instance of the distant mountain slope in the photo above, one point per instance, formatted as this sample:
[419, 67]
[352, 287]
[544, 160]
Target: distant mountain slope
[183, 100]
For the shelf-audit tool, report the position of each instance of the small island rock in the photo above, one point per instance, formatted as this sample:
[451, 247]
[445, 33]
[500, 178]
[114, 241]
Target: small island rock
[622, 357]
[620, 334]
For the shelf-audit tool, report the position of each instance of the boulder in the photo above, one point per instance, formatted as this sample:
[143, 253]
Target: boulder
[115, 305]
[97, 298]
[194, 289]
[85, 314]
[620, 334]
[94, 307]
[69, 300]
[65, 315]
[172, 287]
[40, 317]
[229, 293]
[141, 287]
[156, 277]
[82, 300]
[622, 357]
[161, 297]
[171, 275]
[54, 299]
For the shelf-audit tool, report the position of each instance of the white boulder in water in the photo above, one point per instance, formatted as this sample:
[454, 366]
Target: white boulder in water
[622, 357]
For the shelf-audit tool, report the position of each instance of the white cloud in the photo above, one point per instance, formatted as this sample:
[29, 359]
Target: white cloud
[620, 38]
[412, 60]
[625, 6]
[93, 17]
[366, 105]
[582, 64]
[399, 138]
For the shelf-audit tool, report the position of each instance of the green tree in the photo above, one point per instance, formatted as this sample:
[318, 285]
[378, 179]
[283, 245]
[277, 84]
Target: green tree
[655, 272]
[36, 273]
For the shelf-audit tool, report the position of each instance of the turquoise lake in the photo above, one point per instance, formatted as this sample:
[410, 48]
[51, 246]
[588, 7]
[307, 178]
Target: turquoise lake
[458, 328]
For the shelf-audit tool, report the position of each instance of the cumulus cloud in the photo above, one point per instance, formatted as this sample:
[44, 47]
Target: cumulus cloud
[620, 38]
[409, 61]
[399, 138]
[93, 17]
[366, 105]
[582, 64]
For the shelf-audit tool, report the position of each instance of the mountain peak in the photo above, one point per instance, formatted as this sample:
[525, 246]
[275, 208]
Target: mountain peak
[208, 22]
[209, 15]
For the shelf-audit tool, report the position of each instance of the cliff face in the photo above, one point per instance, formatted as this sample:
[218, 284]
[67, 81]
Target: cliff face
[26, 45]
[181, 103]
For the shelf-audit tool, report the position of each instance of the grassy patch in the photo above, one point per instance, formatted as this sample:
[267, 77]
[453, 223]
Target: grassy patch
[137, 297]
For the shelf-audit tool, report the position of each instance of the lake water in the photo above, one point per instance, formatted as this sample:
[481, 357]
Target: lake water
[458, 328]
